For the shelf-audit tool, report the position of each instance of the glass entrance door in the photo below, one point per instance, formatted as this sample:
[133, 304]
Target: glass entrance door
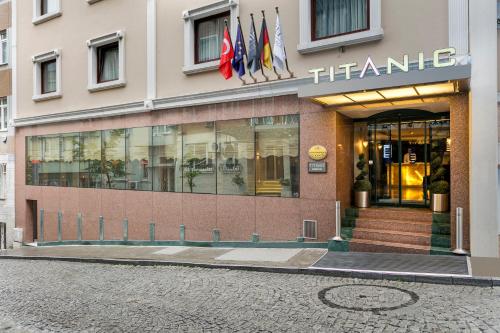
[399, 153]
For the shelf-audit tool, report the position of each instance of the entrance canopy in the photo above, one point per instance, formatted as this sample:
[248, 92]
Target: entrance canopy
[388, 90]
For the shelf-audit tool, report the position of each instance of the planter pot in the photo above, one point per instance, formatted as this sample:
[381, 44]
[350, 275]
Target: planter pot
[440, 202]
[362, 199]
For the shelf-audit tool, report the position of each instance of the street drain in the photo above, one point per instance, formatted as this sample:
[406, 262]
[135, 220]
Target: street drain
[367, 297]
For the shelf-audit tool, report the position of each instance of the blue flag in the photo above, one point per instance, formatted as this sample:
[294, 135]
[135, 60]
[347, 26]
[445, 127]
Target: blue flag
[240, 52]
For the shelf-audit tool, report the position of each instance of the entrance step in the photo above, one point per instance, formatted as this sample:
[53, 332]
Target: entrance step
[410, 238]
[395, 225]
[401, 214]
[365, 245]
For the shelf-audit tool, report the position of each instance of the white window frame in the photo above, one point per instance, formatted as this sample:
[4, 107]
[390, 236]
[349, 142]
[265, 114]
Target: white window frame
[190, 16]
[37, 15]
[93, 45]
[37, 75]
[4, 112]
[7, 45]
[3, 181]
[307, 45]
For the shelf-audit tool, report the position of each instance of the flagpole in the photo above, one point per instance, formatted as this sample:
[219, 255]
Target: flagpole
[246, 55]
[284, 49]
[231, 42]
[257, 42]
[271, 49]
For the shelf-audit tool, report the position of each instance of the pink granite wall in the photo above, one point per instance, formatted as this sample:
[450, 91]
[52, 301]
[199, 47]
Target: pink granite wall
[344, 160]
[459, 164]
[237, 217]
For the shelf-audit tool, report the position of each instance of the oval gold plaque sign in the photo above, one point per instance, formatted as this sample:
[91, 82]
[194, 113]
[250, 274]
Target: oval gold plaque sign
[317, 153]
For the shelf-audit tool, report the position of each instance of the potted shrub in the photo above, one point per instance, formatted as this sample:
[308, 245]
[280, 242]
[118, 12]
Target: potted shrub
[439, 187]
[362, 185]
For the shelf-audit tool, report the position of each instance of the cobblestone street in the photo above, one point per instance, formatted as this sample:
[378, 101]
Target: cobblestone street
[73, 297]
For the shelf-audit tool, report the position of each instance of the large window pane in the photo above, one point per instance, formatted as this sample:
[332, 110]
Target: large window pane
[235, 159]
[167, 157]
[33, 159]
[90, 160]
[49, 83]
[209, 36]
[277, 157]
[337, 17]
[50, 162]
[113, 162]
[139, 175]
[107, 63]
[70, 151]
[199, 157]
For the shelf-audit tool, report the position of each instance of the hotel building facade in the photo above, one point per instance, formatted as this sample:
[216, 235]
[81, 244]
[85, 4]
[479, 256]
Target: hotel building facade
[125, 130]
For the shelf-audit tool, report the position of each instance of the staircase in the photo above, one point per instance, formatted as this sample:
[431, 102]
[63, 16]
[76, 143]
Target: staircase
[397, 230]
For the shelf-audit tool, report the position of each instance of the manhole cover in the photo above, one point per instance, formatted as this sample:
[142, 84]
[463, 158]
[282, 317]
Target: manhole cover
[367, 297]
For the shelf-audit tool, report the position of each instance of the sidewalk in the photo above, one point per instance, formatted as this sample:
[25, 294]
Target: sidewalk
[412, 268]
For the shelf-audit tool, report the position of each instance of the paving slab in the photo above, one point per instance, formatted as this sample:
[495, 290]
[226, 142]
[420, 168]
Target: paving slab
[395, 262]
[269, 255]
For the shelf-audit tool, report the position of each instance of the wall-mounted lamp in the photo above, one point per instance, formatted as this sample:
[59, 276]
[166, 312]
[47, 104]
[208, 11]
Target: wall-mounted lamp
[365, 144]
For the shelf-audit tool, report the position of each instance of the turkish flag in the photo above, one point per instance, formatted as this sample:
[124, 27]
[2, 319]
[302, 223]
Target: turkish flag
[226, 55]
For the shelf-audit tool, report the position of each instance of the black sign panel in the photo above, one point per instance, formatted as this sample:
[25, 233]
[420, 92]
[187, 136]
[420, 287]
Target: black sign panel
[317, 167]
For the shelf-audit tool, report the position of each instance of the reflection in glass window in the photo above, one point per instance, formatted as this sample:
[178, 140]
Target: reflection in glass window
[70, 150]
[167, 157]
[113, 159]
[277, 157]
[33, 158]
[139, 175]
[199, 157]
[50, 161]
[90, 160]
[235, 159]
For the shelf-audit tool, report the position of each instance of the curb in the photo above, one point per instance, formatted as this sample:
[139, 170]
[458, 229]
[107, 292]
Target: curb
[462, 280]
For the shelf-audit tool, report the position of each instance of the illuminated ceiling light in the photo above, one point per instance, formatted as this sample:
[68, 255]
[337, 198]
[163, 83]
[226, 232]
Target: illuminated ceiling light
[378, 105]
[365, 96]
[436, 89]
[398, 93]
[407, 102]
[333, 100]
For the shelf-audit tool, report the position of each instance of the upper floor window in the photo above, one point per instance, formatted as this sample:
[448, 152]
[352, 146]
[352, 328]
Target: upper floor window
[209, 33]
[49, 81]
[106, 67]
[4, 114]
[3, 181]
[107, 63]
[44, 10]
[327, 24]
[337, 17]
[498, 15]
[4, 51]
[47, 76]
[203, 34]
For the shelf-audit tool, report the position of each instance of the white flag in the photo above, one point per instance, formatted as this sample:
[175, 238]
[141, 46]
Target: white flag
[279, 47]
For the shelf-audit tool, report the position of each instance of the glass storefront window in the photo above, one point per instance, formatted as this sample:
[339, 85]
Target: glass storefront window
[198, 160]
[113, 159]
[167, 157]
[90, 160]
[139, 175]
[235, 158]
[70, 153]
[277, 156]
[50, 161]
[33, 158]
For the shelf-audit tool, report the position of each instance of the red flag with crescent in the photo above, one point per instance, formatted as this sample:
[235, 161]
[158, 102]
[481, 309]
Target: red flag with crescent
[226, 55]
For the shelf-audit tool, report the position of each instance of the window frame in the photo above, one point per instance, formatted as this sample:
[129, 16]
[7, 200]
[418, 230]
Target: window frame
[38, 94]
[38, 17]
[93, 45]
[99, 52]
[3, 181]
[190, 17]
[6, 41]
[4, 112]
[313, 23]
[43, 64]
[309, 44]
[196, 34]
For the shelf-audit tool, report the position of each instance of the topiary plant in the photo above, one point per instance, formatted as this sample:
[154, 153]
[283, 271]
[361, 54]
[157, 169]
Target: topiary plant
[438, 182]
[362, 184]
